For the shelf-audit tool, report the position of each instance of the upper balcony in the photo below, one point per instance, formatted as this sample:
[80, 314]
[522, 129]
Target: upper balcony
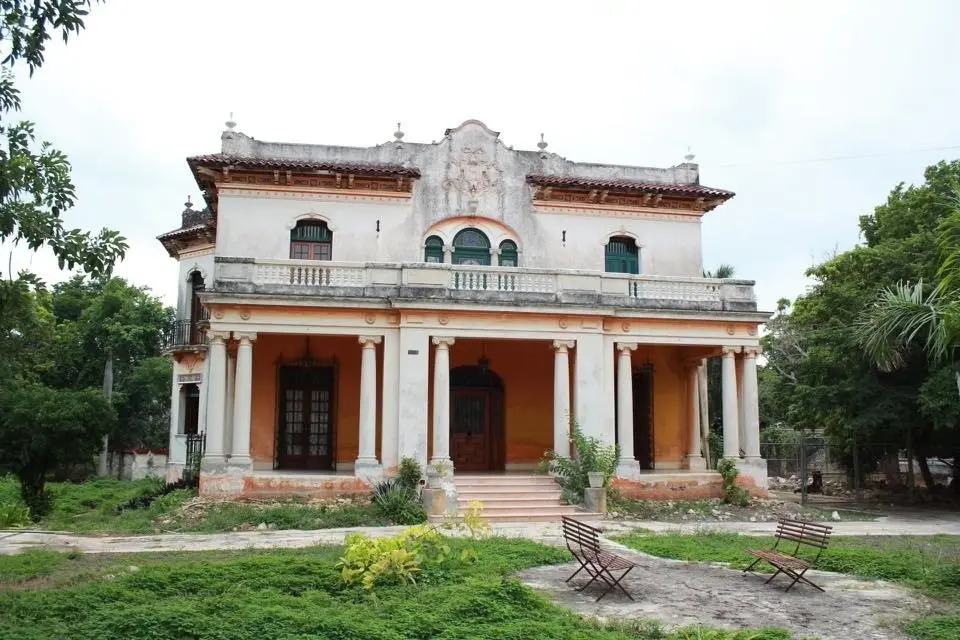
[187, 334]
[483, 285]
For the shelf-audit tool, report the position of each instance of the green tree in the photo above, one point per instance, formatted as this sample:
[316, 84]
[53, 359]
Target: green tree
[818, 375]
[44, 429]
[35, 184]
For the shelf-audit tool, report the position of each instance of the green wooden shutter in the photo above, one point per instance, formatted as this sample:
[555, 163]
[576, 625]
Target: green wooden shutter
[508, 253]
[433, 250]
[622, 256]
[471, 246]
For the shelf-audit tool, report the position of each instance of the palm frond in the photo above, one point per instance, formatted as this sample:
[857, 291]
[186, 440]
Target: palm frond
[949, 246]
[905, 316]
[723, 271]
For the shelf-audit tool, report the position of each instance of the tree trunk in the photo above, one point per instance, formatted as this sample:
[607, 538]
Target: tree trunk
[704, 412]
[32, 491]
[103, 467]
[955, 482]
[925, 472]
[890, 464]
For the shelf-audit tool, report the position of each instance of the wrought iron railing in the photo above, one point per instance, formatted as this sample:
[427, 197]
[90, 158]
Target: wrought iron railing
[185, 333]
[196, 443]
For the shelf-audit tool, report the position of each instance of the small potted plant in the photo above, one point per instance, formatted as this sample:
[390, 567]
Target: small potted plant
[595, 478]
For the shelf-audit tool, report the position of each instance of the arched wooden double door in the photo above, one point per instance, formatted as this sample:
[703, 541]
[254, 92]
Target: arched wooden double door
[477, 441]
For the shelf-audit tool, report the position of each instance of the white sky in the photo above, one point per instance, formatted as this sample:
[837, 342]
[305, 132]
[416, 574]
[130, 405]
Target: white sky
[744, 83]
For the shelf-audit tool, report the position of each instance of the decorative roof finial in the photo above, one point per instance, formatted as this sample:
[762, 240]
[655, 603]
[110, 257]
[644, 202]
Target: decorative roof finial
[689, 157]
[542, 145]
[231, 124]
[398, 134]
[188, 204]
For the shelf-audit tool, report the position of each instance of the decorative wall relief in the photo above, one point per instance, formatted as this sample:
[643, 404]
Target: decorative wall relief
[473, 181]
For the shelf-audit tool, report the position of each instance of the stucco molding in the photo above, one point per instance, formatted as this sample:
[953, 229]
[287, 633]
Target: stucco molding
[447, 229]
[369, 342]
[639, 214]
[196, 267]
[564, 345]
[311, 216]
[236, 191]
[621, 232]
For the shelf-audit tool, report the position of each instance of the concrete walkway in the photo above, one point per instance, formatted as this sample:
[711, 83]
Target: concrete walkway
[13, 541]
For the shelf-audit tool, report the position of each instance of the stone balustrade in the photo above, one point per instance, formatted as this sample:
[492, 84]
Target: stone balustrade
[515, 285]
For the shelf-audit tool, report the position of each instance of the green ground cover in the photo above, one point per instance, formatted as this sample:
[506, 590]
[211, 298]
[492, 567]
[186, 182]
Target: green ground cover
[90, 507]
[929, 564]
[287, 594]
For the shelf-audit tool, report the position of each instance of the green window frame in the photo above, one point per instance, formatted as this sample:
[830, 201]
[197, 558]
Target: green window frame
[622, 255]
[471, 246]
[311, 240]
[433, 249]
[508, 254]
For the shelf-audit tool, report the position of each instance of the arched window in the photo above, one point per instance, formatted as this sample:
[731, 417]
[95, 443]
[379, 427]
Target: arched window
[622, 255]
[197, 311]
[433, 249]
[471, 246]
[508, 253]
[311, 240]
[190, 406]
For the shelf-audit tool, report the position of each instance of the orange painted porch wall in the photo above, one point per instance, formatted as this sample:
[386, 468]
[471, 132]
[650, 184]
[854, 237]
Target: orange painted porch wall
[526, 368]
[270, 350]
[670, 407]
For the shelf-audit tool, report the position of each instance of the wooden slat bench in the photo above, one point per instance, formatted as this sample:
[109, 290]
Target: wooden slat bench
[791, 531]
[583, 541]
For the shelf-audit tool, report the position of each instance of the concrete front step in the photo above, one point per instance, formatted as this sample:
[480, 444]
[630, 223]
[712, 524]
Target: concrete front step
[503, 481]
[497, 503]
[502, 494]
[545, 517]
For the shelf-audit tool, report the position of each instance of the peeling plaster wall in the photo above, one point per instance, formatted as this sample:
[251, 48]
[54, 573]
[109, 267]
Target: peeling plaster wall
[469, 173]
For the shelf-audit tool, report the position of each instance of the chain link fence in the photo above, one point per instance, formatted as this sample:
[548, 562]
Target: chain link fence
[819, 471]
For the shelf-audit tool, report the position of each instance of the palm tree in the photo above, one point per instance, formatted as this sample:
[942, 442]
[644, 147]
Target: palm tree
[722, 272]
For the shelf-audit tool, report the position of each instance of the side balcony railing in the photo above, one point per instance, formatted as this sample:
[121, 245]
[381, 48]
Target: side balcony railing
[388, 279]
[187, 333]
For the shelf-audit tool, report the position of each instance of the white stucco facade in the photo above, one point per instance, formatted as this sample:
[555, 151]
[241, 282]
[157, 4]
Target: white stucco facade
[402, 325]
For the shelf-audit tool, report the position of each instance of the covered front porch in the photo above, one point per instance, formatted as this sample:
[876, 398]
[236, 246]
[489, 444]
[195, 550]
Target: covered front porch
[332, 413]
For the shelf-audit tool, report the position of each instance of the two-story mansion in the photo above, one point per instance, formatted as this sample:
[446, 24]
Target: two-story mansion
[458, 301]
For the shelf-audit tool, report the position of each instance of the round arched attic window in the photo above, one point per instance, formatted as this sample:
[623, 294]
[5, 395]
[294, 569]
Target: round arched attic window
[471, 246]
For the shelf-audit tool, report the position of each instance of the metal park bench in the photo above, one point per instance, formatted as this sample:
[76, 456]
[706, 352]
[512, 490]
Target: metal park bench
[791, 531]
[583, 541]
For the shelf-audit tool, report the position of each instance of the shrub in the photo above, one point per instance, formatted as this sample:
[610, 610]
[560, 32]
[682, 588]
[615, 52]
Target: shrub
[409, 474]
[13, 514]
[398, 503]
[732, 494]
[400, 559]
[590, 454]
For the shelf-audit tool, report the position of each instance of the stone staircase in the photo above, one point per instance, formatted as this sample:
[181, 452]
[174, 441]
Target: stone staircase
[509, 497]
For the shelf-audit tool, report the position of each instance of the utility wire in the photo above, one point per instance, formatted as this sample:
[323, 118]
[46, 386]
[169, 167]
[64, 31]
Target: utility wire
[829, 158]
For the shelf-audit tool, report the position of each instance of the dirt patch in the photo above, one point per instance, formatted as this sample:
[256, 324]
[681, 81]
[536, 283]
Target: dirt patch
[710, 510]
[679, 594]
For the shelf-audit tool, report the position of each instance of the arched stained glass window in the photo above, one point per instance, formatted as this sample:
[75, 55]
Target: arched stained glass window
[508, 253]
[433, 249]
[471, 246]
[622, 255]
[311, 240]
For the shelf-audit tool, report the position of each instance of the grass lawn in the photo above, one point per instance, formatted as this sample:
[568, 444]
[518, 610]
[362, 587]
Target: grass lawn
[287, 594]
[929, 564]
[90, 507]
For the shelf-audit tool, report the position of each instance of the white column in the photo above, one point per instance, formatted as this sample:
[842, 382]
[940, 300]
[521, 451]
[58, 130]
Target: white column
[389, 424]
[413, 383]
[216, 404]
[695, 460]
[741, 421]
[588, 387]
[561, 396]
[441, 400]
[731, 429]
[751, 403]
[230, 400]
[367, 458]
[242, 400]
[628, 466]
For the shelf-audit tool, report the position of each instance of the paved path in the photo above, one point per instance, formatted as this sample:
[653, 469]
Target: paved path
[16, 541]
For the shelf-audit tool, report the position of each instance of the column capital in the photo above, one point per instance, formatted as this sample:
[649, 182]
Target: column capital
[443, 342]
[564, 345]
[218, 337]
[369, 342]
[626, 347]
[729, 351]
[752, 352]
[245, 336]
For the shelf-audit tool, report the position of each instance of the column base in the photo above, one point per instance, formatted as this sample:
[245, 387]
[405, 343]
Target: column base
[696, 463]
[754, 468]
[628, 468]
[368, 469]
[240, 461]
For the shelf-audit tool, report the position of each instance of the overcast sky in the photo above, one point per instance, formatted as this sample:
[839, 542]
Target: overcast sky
[755, 89]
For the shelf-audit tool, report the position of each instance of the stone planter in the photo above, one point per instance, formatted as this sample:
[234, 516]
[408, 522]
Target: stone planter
[434, 480]
[595, 478]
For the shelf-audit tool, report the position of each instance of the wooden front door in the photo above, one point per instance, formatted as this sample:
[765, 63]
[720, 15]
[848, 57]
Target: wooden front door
[470, 429]
[305, 429]
[643, 416]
